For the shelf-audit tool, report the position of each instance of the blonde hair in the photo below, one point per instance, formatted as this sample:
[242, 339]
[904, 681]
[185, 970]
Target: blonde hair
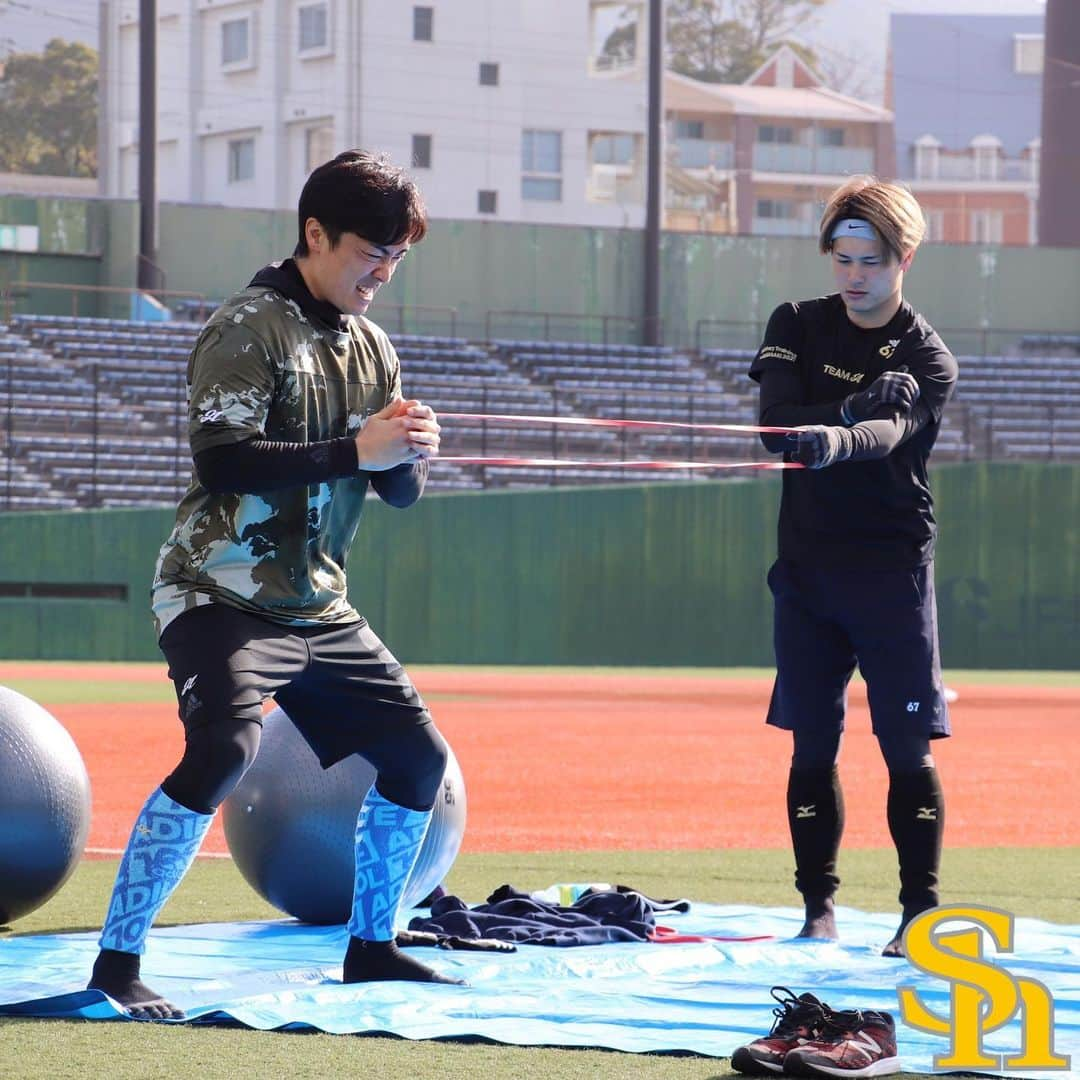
[890, 208]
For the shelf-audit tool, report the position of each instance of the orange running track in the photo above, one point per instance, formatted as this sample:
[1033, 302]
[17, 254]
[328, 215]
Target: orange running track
[600, 761]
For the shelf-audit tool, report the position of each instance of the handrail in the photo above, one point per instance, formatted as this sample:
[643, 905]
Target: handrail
[583, 318]
[9, 293]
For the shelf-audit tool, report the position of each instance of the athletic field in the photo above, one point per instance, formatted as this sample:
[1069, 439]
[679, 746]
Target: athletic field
[668, 781]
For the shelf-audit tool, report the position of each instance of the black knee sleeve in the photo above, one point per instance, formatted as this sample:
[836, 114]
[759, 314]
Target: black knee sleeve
[814, 749]
[410, 767]
[215, 757]
[906, 752]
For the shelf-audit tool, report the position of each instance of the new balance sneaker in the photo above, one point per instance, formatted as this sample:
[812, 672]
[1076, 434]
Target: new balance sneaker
[852, 1043]
[798, 1021]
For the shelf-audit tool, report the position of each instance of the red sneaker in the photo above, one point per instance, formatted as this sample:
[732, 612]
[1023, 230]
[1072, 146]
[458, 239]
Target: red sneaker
[798, 1021]
[853, 1043]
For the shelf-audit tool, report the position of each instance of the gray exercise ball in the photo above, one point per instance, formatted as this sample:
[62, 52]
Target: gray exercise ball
[44, 805]
[291, 825]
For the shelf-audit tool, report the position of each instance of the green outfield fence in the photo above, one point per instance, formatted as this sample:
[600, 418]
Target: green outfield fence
[665, 574]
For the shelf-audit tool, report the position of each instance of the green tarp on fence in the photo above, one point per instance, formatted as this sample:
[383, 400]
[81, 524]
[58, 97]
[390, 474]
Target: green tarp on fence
[665, 574]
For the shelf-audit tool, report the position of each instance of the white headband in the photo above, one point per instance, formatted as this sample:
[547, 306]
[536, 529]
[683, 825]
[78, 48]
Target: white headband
[854, 227]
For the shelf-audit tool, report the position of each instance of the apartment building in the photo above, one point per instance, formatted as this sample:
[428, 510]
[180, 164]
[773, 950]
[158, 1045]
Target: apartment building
[967, 94]
[532, 111]
[762, 156]
[529, 111]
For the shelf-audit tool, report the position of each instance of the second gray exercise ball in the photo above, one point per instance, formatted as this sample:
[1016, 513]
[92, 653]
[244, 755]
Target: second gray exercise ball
[291, 826]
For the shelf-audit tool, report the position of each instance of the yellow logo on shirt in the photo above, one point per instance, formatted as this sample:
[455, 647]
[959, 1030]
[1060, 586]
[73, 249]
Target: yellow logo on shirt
[840, 373]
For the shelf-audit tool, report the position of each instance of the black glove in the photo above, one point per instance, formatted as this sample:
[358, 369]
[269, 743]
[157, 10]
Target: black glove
[897, 388]
[820, 446]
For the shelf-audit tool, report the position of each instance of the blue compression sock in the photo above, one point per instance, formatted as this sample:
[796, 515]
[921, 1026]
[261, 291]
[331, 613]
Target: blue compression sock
[163, 843]
[388, 839]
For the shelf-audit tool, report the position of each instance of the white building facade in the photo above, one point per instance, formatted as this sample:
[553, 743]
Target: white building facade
[504, 109]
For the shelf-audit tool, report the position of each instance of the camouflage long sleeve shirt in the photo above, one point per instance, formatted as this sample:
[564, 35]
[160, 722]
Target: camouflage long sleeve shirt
[262, 368]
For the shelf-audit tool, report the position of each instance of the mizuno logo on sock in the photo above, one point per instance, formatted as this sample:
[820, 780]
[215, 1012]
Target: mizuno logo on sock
[926, 813]
[806, 811]
[188, 685]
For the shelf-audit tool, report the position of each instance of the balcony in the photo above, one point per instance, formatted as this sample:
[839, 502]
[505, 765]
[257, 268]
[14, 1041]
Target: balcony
[814, 160]
[767, 226]
[967, 168]
[703, 154]
[615, 183]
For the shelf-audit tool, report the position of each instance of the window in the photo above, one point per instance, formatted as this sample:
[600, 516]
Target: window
[613, 36]
[986, 151]
[236, 42]
[770, 133]
[689, 129]
[1028, 54]
[541, 153]
[986, 226]
[487, 202]
[615, 149]
[489, 74]
[319, 145]
[774, 208]
[1034, 153]
[927, 157]
[935, 226]
[314, 27]
[421, 151]
[831, 136]
[241, 160]
[423, 24]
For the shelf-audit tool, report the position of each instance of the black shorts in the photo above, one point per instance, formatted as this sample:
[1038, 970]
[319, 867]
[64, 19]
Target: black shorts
[827, 620]
[339, 685]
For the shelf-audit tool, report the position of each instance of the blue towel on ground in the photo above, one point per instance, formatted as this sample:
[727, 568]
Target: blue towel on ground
[704, 997]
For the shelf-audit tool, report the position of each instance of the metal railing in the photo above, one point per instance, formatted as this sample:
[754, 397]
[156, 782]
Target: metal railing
[16, 293]
[539, 325]
[961, 341]
[104, 441]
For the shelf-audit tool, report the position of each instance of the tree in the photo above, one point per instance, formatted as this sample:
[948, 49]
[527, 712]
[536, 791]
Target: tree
[48, 111]
[728, 40]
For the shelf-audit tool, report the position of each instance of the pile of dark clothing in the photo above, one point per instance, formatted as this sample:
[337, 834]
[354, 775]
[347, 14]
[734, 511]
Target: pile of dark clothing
[597, 917]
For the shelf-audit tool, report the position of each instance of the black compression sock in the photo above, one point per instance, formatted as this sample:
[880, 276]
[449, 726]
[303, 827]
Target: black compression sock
[376, 961]
[916, 810]
[815, 806]
[117, 974]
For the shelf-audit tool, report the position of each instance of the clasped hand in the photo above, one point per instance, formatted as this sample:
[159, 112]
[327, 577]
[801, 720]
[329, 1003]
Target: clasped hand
[403, 431]
[899, 389]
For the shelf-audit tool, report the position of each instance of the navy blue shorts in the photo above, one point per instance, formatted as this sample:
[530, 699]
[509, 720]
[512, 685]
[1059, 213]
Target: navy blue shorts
[828, 620]
[339, 684]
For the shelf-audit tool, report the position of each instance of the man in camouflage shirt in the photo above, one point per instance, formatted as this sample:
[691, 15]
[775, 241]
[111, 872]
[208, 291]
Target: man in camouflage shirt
[295, 409]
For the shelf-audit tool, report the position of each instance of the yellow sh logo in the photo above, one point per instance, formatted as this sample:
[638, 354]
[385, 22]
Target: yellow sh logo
[984, 996]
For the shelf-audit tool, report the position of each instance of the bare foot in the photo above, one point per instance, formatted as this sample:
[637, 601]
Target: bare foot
[117, 974]
[376, 961]
[820, 920]
[895, 948]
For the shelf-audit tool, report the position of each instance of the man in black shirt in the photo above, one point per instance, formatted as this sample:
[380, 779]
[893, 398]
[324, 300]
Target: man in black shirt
[865, 379]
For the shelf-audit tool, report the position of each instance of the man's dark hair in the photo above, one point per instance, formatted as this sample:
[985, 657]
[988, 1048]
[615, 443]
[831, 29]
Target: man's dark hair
[362, 193]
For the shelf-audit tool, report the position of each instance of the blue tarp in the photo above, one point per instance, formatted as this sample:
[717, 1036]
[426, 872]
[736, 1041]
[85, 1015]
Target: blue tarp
[703, 997]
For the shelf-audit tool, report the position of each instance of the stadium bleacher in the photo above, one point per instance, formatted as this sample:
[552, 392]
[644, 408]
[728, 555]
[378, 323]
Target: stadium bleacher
[95, 409]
